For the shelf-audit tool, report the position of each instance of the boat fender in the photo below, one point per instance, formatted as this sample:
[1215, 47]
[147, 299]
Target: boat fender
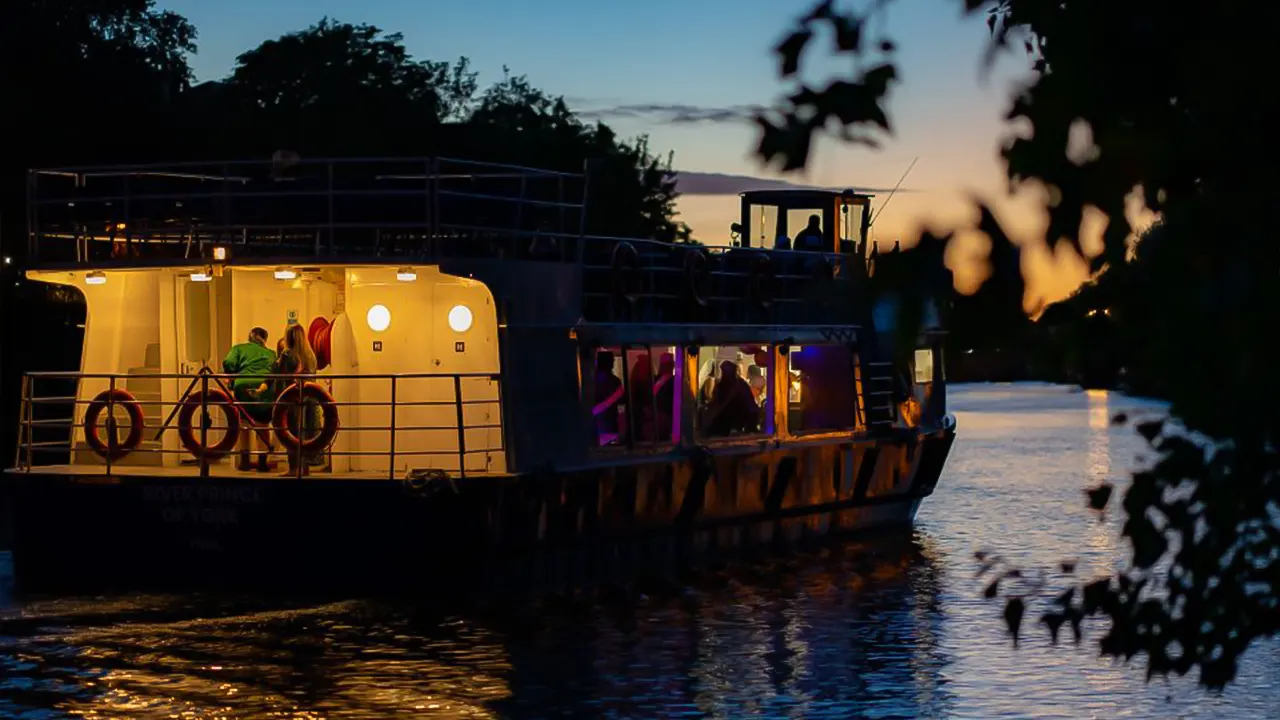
[319, 334]
[697, 275]
[761, 281]
[288, 400]
[626, 272]
[114, 398]
[213, 398]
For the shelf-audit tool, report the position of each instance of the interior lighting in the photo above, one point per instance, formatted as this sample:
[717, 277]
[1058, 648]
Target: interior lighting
[378, 317]
[460, 318]
[95, 278]
[284, 273]
[201, 276]
[219, 253]
[406, 274]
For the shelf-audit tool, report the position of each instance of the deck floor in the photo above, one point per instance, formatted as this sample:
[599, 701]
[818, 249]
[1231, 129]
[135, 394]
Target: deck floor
[218, 470]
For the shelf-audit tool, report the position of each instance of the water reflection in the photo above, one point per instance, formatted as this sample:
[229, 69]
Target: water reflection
[894, 628]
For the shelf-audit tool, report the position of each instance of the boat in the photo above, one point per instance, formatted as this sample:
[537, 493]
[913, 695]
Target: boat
[500, 398]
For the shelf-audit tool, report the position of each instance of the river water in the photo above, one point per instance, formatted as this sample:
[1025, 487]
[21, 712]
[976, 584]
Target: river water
[890, 628]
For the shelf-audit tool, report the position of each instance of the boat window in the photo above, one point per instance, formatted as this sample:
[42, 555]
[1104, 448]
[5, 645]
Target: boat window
[923, 366]
[634, 395]
[822, 390]
[733, 391]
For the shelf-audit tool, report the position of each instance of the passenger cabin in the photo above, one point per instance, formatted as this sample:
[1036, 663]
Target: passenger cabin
[463, 318]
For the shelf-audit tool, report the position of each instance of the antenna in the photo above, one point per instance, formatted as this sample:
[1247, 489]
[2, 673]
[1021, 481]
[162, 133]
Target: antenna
[895, 189]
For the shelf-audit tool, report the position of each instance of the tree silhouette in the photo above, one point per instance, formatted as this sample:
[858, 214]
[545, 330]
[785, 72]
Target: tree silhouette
[1159, 99]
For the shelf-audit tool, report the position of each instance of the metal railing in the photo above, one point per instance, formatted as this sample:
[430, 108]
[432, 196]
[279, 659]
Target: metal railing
[387, 425]
[350, 207]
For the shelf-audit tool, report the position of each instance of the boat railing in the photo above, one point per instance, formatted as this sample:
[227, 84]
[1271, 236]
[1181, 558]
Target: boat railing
[419, 211]
[408, 425]
[315, 208]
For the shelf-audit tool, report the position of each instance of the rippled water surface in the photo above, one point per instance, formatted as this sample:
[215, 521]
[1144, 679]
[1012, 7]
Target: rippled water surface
[892, 628]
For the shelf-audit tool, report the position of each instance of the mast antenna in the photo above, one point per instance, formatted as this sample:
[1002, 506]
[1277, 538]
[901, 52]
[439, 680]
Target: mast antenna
[895, 189]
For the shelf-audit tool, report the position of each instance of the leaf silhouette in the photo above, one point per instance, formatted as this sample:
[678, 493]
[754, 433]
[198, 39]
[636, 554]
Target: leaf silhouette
[790, 50]
[1100, 496]
[1013, 612]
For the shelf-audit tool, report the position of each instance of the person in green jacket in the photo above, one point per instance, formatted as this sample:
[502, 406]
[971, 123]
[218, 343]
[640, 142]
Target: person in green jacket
[251, 362]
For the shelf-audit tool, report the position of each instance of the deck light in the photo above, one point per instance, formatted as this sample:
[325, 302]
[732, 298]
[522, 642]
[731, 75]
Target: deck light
[406, 274]
[95, 278]
[460, 318]
[284, 273]
[201, 276]
[219, 253]
[379, 318]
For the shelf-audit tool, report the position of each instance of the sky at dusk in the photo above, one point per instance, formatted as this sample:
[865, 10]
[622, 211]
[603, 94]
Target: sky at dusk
[661, 67]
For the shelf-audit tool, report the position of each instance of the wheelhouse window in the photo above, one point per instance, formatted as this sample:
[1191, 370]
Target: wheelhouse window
[734, 396]
[923, 364]
[822, 388]
[635, 396]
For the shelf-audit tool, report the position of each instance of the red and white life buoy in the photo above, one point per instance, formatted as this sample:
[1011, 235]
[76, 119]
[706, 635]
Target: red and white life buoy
[215, 399]
[288, 401]
[116, 398]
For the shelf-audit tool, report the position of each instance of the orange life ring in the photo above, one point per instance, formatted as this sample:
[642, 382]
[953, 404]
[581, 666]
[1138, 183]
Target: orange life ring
[626, 271]
[318, 334]
[697, 277]
[213, 398]
[288, 400]
[117, 398]
[760, 284]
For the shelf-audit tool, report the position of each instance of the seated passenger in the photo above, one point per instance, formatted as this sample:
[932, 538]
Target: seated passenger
[782, 243]
[810, 238]
[733, 408]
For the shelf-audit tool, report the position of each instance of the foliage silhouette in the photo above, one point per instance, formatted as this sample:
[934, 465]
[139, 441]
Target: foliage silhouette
[1170, 125]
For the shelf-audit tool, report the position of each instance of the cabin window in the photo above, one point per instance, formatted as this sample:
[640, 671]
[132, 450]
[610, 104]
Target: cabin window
[822, 389]
[733, 394]
[923, 366]
[634, 395]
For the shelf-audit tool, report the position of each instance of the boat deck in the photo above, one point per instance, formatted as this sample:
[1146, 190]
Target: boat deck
[216, 470]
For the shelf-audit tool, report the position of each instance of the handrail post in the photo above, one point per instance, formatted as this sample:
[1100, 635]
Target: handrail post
[330, 198]
[301, 424]
[582, 215]
[204, 424]
[391, 463]
[24, 427]
[111, 421]
[462, 432]
[226, 211]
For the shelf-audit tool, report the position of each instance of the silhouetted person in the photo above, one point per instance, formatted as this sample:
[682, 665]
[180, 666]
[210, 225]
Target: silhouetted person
[733, 408]
[608, 391]
[810, 238]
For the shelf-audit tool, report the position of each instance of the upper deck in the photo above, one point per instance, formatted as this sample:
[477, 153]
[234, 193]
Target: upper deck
[485, 220]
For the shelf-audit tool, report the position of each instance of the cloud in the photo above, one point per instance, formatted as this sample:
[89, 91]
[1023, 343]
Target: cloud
[674, 114]
[704, 183]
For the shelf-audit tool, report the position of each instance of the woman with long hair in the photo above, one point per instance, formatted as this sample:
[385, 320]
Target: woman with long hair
[298, 358]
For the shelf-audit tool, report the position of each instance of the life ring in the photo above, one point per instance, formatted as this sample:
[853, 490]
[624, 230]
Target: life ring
[697, 274]
[761, 281]
[116, 398]
[213, 398]
[288, 400]
[626, 272]
[318, 335]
